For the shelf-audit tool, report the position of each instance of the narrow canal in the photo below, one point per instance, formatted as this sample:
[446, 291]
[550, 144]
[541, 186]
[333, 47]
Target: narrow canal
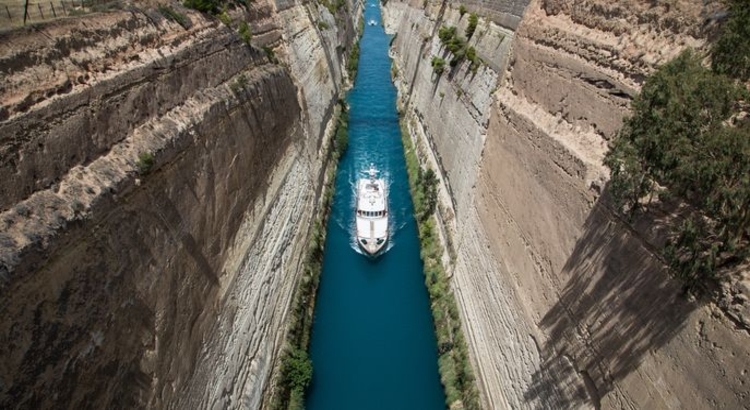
[373, 344]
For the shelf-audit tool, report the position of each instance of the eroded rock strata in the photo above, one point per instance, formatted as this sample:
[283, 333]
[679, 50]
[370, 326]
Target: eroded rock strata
[564, 304]
[157, 184]
[156, 188]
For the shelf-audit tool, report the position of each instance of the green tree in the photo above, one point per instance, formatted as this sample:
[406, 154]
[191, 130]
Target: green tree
[462, 10]
[297, 369]
[685, 135]
[731, 53]
[629, 178]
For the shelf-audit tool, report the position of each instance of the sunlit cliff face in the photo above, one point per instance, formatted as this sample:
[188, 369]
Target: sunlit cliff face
[565, 304]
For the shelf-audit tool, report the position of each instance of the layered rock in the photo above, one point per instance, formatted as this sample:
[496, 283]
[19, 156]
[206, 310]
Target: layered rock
[565, 305]
[158, 183]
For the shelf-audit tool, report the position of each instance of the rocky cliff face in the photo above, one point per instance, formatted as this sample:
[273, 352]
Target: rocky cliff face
[564, 304]
[157, 187]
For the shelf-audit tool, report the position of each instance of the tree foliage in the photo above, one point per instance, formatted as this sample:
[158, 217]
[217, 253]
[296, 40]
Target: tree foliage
[458, 47]
[298, 369]
[686, 139]
[731, 54]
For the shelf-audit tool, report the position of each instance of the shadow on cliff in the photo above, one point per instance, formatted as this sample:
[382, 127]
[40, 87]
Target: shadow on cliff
[618, 304]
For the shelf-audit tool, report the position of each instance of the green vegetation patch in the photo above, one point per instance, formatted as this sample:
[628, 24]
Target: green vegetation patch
[145, 162]
[458, 47]
[245, 34]
[472, 27]
[224, 18]
[296, 367]
[438, 65]
[270, 54]
[686, 138]
[454, 365]
[353, 63]
[731, 53]
[204, 6]
[462, 10]
[341, 138]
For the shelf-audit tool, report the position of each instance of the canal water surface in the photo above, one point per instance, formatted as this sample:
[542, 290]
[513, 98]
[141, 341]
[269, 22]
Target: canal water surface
[373, 344]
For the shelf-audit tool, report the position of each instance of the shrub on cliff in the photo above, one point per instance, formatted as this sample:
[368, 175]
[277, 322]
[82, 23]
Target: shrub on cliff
[270, 54]
[297, 368]
[458, 47]
[471, 55]
[245, 34]
[438, 65]
[685, 139]
[353, 63]
[428, 185]
[205, 6]
[446, 33]
[341, 139]
[462, 10]
[731, 53]
[471, 28]
[145, 162]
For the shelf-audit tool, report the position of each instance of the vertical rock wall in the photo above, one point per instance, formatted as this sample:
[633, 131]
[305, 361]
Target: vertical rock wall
[163, 183]
[564, 304]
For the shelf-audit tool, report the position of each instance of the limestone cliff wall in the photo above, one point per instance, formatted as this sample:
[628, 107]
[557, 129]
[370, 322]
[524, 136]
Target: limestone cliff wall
[506, 13]
[166, 285]
[564, 304]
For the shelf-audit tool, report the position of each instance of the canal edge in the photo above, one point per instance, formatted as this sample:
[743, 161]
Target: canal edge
[454, 363]
[294, 360]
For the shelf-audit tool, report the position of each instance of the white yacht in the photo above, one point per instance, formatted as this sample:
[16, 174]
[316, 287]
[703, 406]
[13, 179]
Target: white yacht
[372, 22]
[372, 213]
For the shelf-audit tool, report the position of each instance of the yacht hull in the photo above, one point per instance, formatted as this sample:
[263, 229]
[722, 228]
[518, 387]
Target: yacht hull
[372, 214]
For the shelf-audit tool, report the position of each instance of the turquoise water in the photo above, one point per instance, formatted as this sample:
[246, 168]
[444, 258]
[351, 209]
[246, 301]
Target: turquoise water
[373, 344]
